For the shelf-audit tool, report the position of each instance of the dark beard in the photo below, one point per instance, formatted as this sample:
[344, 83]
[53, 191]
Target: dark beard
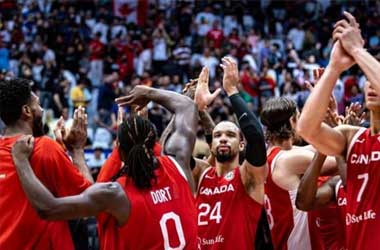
[223, 157]
[38, 127]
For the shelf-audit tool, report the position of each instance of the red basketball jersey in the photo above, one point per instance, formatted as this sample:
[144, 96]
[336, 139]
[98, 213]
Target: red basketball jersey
[227, 215]
[363, 187]
[332, 221]
[163, 217]
[290, 228]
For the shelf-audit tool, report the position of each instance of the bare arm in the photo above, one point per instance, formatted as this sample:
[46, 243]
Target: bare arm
[253, 169]
[74, 140]
[310, 125]
[309, 196]
[109, 197]
[181, 143]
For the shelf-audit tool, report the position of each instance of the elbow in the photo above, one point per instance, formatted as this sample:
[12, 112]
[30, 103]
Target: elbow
[302, 204]
[304, 130]
[44, 213]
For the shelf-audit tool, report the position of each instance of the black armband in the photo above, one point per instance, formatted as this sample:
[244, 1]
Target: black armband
[251, 128]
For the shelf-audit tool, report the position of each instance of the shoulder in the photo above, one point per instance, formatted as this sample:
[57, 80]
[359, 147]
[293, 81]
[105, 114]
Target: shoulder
[45, 145]
[349, 131]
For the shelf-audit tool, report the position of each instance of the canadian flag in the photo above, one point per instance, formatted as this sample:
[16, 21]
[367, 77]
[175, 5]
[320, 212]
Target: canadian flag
[134, 11]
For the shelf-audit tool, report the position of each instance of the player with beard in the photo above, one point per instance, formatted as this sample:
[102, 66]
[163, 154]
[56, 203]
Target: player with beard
[358, 145]
[22, 114]
[290, 227]
[153, 195]
[230, 196]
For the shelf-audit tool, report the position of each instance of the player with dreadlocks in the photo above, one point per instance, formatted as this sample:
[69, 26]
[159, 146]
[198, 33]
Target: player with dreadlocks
[153, 195]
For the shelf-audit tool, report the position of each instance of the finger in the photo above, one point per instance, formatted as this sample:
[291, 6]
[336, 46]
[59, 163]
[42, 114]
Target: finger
[80, 117]
[75, 118]
[315, 74]
[338, 30]
[351, 19]
[216, 93]
[202, 75]
[309, 86]
[342, 23]
[126, 101]
[123, 98]
[337, 36]
[225, 61]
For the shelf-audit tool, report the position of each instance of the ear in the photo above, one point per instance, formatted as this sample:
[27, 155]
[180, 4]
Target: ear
[241, 146]
[26, 111]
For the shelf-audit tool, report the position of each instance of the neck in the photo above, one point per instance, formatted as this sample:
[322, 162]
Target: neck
[20, 127]
[375, 122]
[223, 168]
[283, 144]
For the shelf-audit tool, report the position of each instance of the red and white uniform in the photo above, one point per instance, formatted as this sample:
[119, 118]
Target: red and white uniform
[227, 215]
[162, 217]
[290, 228]
[363, 190]
[332, 221]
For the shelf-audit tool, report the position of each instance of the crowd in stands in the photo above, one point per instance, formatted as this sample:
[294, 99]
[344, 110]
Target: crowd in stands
[79, 53]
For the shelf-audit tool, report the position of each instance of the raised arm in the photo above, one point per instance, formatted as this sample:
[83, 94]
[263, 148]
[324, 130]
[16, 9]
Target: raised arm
[253, 169]
[309, 195]
[310, 125]
[181, 142]
[74, 140]
[108, 197]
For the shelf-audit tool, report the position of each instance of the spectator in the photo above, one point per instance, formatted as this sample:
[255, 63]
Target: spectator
[96, 161]
[97, 50]
[182, 56]
[210, 61]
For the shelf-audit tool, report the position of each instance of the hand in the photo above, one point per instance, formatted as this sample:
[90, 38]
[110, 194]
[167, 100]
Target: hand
[23, 148]
[230, 76]
[349, 34]
[332, 118]
[76, 136]
[353, 116]
[317, 73]
[339, 59]
[203, 97]
[138, 96]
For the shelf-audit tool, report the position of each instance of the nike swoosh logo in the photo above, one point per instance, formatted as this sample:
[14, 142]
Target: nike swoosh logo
[245, 114]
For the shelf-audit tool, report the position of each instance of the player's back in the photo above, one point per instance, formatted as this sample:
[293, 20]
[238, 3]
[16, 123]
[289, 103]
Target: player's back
[227, 215]
[290, 228]
[332, 220]
[162, 217]
[20, 225]
[362, 187]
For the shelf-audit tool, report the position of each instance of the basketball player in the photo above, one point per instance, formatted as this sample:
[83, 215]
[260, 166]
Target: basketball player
[328, 199]
[359, 146]
[230, 196]
[290, 227]
[153, 195]
[21, 112]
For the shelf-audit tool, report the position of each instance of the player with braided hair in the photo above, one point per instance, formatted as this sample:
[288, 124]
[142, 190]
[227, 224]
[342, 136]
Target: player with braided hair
[153, 194]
